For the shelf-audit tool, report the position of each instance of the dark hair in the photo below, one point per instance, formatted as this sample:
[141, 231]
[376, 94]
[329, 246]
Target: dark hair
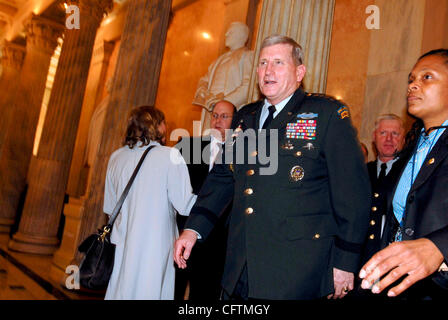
[437, 52]
[411, 138]
[143, 126]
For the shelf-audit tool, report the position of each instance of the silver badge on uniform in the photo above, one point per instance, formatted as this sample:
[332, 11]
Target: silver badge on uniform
[288, 146]
[308, 146]
[296, 173]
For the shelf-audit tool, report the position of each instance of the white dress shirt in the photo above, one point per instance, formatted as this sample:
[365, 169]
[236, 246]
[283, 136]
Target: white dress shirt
[278, 107]
[215, 147]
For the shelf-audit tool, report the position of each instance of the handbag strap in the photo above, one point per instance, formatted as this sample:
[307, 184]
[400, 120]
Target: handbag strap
[126, 190]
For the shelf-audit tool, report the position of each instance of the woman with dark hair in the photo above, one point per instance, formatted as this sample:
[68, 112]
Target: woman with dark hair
[415, 254]
[145, 230]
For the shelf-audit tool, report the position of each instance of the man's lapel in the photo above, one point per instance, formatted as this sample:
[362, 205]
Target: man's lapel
[432, 161]
[250, 120]
[205, 151]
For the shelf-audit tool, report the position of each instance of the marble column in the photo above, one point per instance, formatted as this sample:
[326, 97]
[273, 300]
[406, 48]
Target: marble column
[41, 41]
[79, 168]
[135, 83]
[12, 61]
[308, 22]
[49, 169]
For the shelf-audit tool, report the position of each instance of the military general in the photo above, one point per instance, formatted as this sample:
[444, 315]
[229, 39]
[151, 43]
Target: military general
[295, 233]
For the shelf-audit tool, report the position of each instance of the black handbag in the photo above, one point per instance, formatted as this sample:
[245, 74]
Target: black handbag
[96, 267]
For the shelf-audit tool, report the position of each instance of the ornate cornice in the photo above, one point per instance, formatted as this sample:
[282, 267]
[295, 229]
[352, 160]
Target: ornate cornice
[43, 33]
[12, 55]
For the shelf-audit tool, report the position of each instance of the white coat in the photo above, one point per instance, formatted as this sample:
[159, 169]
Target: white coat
[145, 230]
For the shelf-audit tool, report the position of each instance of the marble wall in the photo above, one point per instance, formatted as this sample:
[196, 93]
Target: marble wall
[347, 68]
[393, 51]
[435, 28]
[368, 68]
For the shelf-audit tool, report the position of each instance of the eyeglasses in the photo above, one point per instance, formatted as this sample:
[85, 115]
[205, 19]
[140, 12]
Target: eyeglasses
[223, 116]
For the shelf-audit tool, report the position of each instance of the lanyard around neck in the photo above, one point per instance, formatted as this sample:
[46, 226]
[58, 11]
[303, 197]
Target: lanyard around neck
[419, 145]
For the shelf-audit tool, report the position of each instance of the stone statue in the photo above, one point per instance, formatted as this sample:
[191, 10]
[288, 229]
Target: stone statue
[228, 77]
[96, 127]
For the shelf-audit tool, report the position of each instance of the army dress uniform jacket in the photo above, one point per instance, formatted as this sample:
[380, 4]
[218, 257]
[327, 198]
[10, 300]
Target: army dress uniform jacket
[380, 190]
[426, 216]
[291, 228]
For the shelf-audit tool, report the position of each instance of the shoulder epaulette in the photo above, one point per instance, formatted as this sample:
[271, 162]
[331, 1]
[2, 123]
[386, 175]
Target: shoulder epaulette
[325, 96]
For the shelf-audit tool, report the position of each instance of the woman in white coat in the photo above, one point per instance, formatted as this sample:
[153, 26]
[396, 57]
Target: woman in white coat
[145, 230]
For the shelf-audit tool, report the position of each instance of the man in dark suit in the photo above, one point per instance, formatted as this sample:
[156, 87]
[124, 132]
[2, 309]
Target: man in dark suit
[300, 214]
[207, 259]
[388, 140]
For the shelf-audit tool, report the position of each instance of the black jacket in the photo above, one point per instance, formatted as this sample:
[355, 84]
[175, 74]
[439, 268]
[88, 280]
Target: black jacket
[206, 262]
[378, 209]
[426, 215]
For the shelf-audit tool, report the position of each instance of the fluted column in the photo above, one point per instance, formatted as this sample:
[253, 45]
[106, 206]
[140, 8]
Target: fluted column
[135, 83]
[41, 41]
[308, 22]
[79, 169]
[48, 172]
[12, 61]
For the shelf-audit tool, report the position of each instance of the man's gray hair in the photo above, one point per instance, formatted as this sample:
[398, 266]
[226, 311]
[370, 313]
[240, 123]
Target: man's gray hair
[388, 116]
[297, 51]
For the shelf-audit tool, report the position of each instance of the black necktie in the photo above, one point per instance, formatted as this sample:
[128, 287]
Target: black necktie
[382, 172]
[270, 117]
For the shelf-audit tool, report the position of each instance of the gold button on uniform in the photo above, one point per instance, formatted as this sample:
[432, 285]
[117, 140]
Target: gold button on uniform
[298, 153]
[249, 210]
[371, 237]
[376, 195]
[249, 191]
[316, 236]
[431, 161]
[372, 222]
[250, 172]
[374, 208]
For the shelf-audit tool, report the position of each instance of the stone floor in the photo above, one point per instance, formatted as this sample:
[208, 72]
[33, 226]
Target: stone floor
[27, 277]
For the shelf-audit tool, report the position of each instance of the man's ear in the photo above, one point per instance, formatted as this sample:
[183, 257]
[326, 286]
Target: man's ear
[300, 72]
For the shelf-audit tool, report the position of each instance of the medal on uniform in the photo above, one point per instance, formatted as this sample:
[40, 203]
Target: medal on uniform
[304, 127]
[288, 146]
[296, 173]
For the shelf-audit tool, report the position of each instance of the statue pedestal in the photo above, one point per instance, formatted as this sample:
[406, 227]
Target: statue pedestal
[65, 255]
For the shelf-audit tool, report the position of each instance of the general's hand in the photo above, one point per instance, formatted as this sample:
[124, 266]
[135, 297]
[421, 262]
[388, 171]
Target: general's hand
[343, 283]
[415, 258]
[183, 246]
